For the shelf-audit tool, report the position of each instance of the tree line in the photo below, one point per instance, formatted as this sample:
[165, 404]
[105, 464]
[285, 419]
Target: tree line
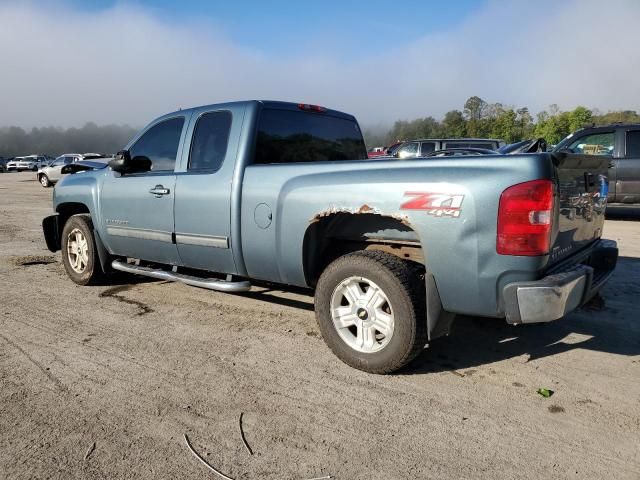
[107, 139]
[479, 118]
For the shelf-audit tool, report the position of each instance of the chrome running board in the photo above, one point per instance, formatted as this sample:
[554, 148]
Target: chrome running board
[210, 283]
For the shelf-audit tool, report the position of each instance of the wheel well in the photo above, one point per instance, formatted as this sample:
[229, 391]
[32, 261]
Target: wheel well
[66, 210]
[332, 236]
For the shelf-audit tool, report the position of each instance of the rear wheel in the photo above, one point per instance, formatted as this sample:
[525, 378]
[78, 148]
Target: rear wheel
[79, 253]
[370, 310]
[44, 181]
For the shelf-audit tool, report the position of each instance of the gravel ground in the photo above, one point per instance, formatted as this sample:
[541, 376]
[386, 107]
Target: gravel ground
[133, 366]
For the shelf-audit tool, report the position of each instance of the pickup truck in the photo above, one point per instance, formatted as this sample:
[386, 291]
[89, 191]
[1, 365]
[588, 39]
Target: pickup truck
[224, 195]
[620, 144]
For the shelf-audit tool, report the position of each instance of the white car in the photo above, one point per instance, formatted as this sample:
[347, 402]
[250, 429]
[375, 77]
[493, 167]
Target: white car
[50, 174]
[30, 162]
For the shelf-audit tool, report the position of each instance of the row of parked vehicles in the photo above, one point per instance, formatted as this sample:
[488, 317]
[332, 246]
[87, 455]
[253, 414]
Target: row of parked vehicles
[427, 146]
[20, 164]
[52, 172]
[48, 168]
[620, 143]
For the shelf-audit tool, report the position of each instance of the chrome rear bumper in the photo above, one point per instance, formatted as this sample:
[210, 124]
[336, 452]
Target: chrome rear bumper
[554, 296]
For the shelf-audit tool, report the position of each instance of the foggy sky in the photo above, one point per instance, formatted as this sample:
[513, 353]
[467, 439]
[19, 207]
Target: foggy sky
[126, 65]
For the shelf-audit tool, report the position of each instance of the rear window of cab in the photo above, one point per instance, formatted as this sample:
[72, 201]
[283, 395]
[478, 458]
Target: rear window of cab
[289, 136]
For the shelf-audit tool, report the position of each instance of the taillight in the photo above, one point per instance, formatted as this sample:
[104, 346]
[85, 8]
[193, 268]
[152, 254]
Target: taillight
[524, 219]
[311, 108]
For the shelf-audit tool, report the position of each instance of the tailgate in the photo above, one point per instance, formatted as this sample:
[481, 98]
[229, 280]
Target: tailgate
[583, 188]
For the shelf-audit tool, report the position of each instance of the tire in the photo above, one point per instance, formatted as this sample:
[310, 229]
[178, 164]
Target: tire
[83, 267]
[44, 181]
[399, 310]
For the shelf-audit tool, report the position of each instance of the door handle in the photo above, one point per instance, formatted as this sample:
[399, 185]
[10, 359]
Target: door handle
[159, 190]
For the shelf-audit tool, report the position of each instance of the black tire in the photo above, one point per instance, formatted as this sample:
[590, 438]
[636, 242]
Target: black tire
[92, 273]
[403, 285]
[44, 180]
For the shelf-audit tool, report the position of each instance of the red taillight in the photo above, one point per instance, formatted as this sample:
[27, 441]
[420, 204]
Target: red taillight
[524, 219]
[311, 108]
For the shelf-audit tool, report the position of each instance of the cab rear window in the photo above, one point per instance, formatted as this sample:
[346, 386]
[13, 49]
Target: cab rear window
[289, 136]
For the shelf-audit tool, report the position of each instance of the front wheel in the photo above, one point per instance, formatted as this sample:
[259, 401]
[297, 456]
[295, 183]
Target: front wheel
[370, 310]
[44, 181]
[79, 253]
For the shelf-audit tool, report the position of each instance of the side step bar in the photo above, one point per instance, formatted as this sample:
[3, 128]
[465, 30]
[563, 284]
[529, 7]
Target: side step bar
[210, 283]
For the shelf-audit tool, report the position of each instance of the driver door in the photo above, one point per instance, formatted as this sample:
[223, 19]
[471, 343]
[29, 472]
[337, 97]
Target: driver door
[137, 208]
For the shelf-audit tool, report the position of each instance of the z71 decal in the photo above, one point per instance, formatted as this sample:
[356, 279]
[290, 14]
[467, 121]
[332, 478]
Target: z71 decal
[437, 204]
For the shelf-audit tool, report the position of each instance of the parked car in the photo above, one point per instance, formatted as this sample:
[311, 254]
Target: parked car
[284, 193]
[50, 174]
[12, 164]
[3, 164]
[30, 162]
[620, 144]
[423, 147]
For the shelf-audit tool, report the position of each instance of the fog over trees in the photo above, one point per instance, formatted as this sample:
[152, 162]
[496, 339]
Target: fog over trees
[476, 118]
[15, 141]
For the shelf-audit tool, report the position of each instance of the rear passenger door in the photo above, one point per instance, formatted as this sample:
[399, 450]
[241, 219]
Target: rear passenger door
[628, 169]
[203, 190]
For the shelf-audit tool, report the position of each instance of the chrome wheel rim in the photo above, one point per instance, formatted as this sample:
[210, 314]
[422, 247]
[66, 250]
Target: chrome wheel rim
[362, 314]
[43, 181]
[77, 250]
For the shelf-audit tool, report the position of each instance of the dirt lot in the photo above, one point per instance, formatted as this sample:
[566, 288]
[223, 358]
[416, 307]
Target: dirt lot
[134, 366]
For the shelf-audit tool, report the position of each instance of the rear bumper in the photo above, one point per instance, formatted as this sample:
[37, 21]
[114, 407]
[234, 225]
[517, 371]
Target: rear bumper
[554, 296]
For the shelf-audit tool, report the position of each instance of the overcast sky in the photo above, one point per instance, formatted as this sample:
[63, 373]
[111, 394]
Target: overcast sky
[64, 63]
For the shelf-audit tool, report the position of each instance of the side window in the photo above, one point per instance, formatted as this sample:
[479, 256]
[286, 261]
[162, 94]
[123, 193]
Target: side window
[59, 161]
[594, 144]
[68, 160]
[427, 148]
[160, 144]
[210, 139]
[408, 150]
[633, 144]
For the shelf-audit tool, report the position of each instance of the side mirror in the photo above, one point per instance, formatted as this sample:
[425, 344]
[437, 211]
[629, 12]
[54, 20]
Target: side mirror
[123, 163]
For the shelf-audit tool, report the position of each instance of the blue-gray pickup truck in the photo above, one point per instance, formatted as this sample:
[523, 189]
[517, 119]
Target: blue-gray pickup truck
[222, 195]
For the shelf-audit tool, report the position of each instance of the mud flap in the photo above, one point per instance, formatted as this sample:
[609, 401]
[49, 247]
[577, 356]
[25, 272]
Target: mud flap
[51, 231]
[438, 320]
[103, 254]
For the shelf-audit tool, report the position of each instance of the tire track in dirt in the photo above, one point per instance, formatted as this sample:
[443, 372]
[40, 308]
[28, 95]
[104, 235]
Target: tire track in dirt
[61, 387]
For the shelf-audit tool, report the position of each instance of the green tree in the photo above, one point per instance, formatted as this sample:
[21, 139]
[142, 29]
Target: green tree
[505, 126]
[454, 125]
[579, 118]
